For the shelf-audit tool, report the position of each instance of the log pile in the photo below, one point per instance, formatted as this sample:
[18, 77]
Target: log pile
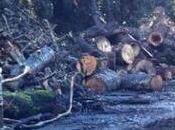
[109, 56]
[136, 51]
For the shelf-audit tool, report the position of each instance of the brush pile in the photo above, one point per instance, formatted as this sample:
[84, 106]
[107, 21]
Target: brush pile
[108, 56]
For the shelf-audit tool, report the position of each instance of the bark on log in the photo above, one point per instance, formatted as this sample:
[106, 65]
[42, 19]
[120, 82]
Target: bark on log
[144, 66]
[167, 72]
[34, 63]
[40, 58]
[37, 60]
[169, 41]
[110, 29]
[141, 81]
[106, 80]
[84, 46]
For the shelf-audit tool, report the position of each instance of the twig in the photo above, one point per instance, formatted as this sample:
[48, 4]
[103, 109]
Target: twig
[26, 70]
[42, 123]
[6, 22]
[32, 42]
[54, 38]
[8, 120]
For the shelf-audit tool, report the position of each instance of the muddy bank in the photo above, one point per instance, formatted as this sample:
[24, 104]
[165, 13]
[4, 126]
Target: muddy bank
[123, 110]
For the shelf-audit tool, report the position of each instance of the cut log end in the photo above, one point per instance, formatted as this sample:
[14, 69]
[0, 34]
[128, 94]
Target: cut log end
[155, 39]
[96, 85]
[105, 80]
[128, 54]
[87, 65]
[103, 44]
[156, 83]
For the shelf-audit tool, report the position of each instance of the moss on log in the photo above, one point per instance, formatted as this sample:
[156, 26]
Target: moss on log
[27, 103]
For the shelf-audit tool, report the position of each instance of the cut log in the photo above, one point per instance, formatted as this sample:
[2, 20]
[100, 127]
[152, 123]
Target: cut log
[87, 65]
[103, 44]
[136, 49]
[122, 55]
[141, 81]
[144, 66]
[167, 73]
[158, 35]
[40, 58]
[35, 62]
[106, 80]
[128, 53]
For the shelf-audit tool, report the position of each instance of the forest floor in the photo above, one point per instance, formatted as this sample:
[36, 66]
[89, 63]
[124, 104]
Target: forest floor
[108, 76]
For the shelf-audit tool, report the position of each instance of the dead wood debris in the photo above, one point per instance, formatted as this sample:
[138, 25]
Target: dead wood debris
[109, 56]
